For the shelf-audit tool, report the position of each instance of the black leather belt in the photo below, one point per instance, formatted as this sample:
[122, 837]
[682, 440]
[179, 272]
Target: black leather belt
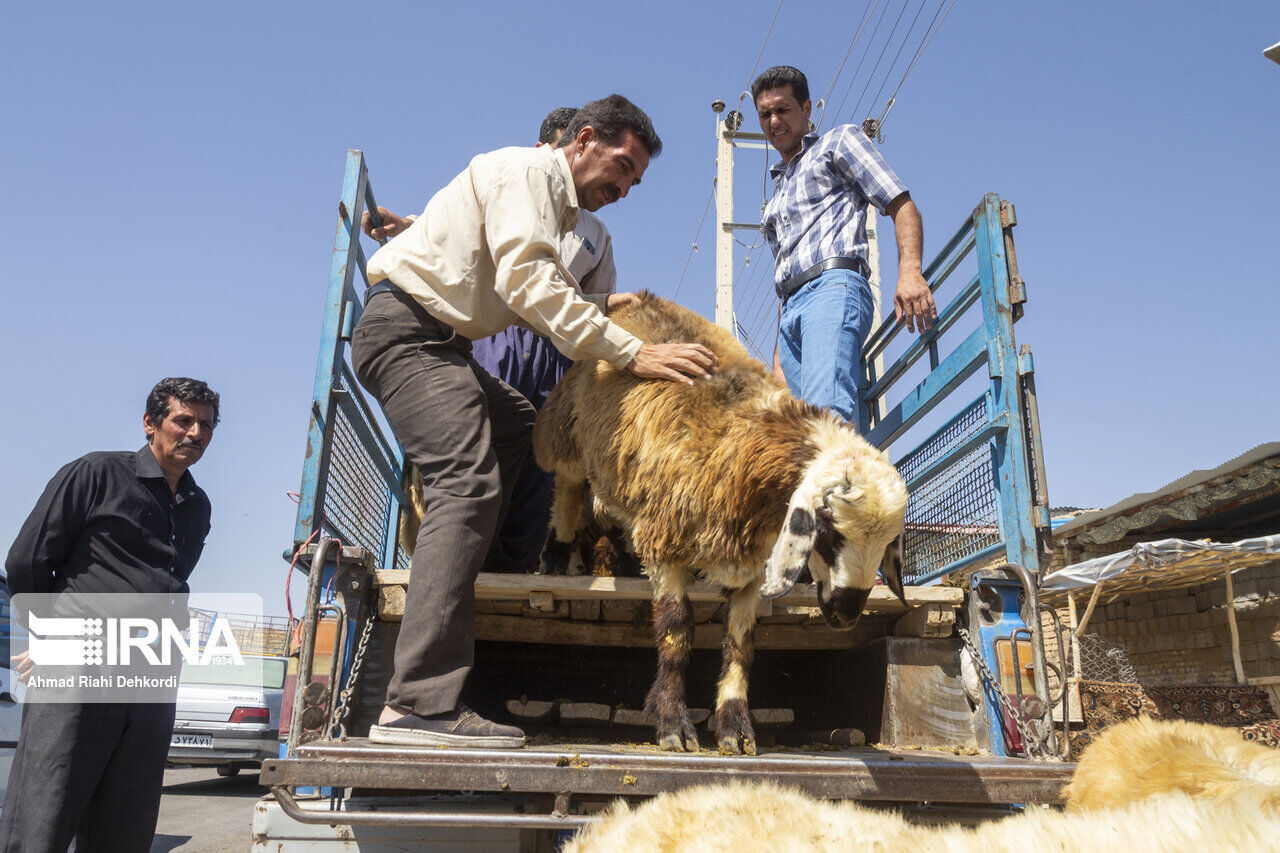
[384, 286]
[800, 279]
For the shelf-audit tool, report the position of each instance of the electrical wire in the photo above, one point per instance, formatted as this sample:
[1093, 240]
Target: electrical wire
[919, 52]
[866, 16]
[856, 107]
[889, 73]
[865, 51]
[693, 247]
[752, 76]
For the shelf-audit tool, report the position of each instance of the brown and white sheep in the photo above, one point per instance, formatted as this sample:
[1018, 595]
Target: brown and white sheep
[731, 479]
[1117, 804]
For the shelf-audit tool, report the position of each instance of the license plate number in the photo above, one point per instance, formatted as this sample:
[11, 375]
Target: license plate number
[202, 741]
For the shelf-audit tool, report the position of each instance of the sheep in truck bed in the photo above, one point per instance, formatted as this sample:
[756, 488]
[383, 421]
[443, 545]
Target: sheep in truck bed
[731, 479]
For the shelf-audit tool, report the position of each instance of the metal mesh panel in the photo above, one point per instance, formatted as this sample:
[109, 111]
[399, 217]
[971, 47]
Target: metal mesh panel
[955, 514]
[1103, 660]
[356, 496]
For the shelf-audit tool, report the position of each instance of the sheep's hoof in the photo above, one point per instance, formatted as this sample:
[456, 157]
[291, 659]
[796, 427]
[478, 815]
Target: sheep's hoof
[679, 736]
[734, 733]
[740, 745]
[558, 557]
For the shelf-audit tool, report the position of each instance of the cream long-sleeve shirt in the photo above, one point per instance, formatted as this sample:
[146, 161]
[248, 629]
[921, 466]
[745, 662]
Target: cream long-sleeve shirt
[485, 254]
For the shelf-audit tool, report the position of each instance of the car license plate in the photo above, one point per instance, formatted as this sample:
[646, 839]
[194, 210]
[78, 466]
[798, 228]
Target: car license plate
[202, 741]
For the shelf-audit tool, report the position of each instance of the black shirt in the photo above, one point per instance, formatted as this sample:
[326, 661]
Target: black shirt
[108, 522]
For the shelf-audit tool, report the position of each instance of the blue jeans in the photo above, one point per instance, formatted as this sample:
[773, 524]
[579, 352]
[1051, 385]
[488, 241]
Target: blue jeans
[820, 337]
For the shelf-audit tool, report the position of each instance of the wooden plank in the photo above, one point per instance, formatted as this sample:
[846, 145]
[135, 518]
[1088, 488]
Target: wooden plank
[517, 629]
[530, 710]
[765, 718]
[931, 620]
[491, 586]
[585, 714]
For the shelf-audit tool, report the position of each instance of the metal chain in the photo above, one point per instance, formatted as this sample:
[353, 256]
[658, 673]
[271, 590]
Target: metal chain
[1034, 744]
[343, 711]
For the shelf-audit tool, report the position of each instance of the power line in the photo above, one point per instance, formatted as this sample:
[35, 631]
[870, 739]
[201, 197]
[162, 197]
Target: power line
[865, 51]
[919, 52]
[866, 16]
[693, 247]
[872, 76]
[901, 45]
[752, 75]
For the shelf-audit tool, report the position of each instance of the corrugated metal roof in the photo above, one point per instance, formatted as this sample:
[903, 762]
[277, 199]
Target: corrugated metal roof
[1259, 454]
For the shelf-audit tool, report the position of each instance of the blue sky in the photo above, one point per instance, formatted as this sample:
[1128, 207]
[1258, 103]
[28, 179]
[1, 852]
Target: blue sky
[172, 173]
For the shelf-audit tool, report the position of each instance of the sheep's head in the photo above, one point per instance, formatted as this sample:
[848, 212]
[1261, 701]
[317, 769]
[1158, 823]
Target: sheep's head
[844, 522]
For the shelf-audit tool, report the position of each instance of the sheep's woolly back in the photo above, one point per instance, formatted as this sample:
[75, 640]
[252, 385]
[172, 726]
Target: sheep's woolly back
[742, 444]
[1141, 757]
[742, 818]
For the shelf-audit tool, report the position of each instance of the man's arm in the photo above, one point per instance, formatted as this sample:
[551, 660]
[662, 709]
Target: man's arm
[913, 299]
[777, 342]
[520, 224]
[47, 536]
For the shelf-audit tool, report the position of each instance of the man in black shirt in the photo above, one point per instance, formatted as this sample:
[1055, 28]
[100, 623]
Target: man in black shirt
[110, 522]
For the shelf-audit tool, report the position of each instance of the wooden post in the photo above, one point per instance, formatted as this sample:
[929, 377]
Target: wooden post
[1088, 611]
[1075, 635]
[1235, 630]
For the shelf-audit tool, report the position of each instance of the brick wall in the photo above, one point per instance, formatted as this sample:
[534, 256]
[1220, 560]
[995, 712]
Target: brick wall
[1181, 637]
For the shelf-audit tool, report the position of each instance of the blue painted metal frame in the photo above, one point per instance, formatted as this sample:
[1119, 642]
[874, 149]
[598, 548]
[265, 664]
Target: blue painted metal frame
[336, 389]
[1012, 429]
[334, 385]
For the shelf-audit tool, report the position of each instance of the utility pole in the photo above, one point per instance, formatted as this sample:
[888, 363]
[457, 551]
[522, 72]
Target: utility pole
[728, 137]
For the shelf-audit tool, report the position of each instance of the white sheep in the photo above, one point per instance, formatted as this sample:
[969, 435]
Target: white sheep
[731, 479]
[1122, 809]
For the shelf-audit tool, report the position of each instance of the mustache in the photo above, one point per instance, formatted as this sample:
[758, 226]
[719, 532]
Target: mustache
[190, 442]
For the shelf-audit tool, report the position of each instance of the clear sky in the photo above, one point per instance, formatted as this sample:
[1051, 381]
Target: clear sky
[172, 173]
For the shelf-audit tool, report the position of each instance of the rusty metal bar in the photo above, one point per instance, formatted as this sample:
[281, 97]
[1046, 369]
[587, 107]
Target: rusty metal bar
[307, 644]
[332, 817]
[906, 776]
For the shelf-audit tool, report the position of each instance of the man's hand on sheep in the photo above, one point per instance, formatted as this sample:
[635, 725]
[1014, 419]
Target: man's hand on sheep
[677, 362]
[391, 224]
[617, 300]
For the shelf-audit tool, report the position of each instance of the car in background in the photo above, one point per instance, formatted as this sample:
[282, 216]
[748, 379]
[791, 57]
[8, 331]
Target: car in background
[228, 716]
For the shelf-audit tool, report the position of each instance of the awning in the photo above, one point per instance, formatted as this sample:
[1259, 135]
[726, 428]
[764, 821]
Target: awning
[1166, 564]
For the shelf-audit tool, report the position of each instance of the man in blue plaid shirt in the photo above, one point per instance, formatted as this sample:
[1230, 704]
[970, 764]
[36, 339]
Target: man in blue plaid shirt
[816, 225]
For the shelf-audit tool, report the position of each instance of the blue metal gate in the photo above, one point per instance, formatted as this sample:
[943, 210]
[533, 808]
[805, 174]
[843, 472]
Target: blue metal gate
[977, 482]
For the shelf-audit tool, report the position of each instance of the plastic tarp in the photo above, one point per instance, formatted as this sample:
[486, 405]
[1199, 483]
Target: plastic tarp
[1165, 556]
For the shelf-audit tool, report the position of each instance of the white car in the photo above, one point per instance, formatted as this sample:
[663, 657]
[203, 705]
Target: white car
[229, 716]
[11, 693]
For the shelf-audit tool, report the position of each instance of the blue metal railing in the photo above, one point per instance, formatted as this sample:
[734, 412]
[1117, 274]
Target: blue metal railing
[977, 482]
[352, 474]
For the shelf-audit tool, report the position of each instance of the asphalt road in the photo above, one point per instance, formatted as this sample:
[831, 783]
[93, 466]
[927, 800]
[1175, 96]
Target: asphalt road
[202, 811]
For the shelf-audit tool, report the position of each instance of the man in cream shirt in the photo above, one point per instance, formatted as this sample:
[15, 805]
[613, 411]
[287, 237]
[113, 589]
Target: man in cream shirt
[531, 364]
[483, 255]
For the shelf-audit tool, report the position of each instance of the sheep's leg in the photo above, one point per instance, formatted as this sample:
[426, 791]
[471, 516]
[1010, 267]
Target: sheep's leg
[559, 555]
[673, 631]
[734, 733]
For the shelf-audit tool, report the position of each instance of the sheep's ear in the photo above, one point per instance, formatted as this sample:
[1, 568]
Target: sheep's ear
[891, 567]
[791, 552]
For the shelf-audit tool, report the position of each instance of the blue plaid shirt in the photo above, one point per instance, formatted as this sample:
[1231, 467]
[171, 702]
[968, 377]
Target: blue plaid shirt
[819, 204]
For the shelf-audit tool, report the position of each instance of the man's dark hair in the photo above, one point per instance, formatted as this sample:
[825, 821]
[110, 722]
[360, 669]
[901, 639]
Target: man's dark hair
[555, 123]
[779, 76]
[185, 390]
[612, 117]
